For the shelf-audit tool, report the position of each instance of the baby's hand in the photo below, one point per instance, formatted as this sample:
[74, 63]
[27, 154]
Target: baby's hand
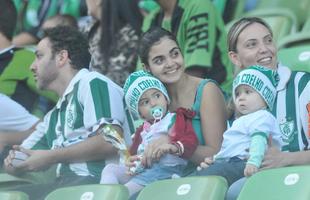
[130, 162]
[205, 164]
[134, 165]
[250, 170]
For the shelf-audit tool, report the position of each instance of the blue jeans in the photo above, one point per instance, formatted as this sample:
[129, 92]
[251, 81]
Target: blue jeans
[157, 172]
[231, 169]
[235, 189]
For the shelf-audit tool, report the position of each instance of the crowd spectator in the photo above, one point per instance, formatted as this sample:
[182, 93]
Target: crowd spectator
[113, 37]
[151, 105]
[60, 20]
[250, 42]
[162, 57]
[69, 134]
[32, 14]
[245, 142]
[16, 79]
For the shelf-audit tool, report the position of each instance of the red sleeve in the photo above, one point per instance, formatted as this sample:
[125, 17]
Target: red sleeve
[136, 141]
[182, 131]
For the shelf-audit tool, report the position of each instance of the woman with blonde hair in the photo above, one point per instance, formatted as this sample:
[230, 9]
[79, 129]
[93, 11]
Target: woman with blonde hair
[250, 42]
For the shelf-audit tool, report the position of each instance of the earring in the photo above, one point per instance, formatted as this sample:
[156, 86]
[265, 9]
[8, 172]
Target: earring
[147, 70]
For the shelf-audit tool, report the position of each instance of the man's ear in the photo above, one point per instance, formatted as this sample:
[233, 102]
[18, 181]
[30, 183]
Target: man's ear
[62, 57]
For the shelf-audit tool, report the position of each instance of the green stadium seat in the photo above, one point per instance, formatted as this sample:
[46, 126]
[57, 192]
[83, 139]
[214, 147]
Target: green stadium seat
[193, 188]
[8, 181]
[299, 7]
[294, 51]
[90, 192]
[293, 40]
[286, 183]
[306, 26]
[283, 22]
[13, 195]
[296, 58]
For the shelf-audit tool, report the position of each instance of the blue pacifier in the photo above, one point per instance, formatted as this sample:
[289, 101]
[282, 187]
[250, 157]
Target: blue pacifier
[157, 112]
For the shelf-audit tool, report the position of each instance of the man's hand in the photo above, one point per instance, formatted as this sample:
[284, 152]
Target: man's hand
[7, 164]
[37, 160]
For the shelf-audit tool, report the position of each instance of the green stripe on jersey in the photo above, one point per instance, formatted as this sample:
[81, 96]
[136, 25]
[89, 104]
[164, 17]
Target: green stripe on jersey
[100, 90]
[304, 80]
[79, 121]
[46, 142]
[291, 112]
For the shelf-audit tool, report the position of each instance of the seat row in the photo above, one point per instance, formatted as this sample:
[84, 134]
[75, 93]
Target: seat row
[282, 183]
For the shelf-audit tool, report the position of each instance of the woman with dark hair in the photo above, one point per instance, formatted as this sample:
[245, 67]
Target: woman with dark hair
[161, 56]
[114, 37]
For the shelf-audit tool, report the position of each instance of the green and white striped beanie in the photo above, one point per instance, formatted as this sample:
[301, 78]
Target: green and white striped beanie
[261, 79]
[136, 84]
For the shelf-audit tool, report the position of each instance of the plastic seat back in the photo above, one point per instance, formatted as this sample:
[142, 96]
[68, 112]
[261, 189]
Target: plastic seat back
[90, 192]
[13, 195]
[286, 183]
[296, 58]
[294, 51]
[299, 7]
[306, 26]
[7, 181]
[283, 22]
[193, 188]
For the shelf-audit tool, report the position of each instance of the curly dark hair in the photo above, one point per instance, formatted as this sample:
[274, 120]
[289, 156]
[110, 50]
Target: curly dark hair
[70, 39]
[8, 18]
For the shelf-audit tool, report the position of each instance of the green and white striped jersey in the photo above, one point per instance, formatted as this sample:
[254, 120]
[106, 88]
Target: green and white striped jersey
[290, 110]
[90, 98]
